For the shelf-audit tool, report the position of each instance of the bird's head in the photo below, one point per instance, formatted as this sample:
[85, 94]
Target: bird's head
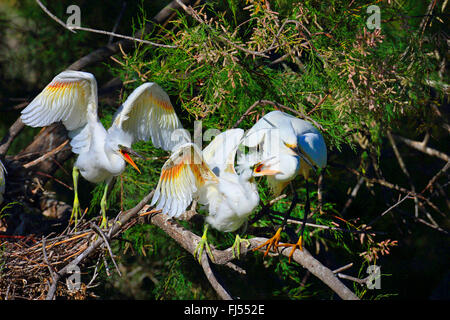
[126, 153]
[119, 142]
[267, 167]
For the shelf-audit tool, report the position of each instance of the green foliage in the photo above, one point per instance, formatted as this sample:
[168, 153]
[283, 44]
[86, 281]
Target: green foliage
[317, 58]
[321, 61]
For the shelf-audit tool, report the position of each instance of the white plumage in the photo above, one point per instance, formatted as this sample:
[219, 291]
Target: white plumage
[210, 177]
[291, 146]
[71, 97]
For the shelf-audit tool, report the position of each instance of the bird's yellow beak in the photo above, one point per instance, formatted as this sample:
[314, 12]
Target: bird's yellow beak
[125, 152]
[291, 146]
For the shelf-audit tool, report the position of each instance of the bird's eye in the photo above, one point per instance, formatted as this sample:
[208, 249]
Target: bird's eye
[257, 167]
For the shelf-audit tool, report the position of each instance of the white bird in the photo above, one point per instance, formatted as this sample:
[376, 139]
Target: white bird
[290, 146]
[3, 172]
[211, 178]
[71, 97]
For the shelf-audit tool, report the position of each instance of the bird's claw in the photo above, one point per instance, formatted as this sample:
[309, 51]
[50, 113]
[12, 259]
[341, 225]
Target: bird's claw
[76, 211]
[200, 247]
[294, 246]
[104, 223]
[236, 247]
[271, 243]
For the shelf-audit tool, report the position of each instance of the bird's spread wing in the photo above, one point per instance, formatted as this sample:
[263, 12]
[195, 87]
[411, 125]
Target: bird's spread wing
[183, 176]
[148, 113]
[71, 97]
[221, 152]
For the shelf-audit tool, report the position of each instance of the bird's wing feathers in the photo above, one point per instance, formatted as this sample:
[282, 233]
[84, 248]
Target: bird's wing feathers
[148, 113]
[71, 97]
[221, 152]
[183, 176]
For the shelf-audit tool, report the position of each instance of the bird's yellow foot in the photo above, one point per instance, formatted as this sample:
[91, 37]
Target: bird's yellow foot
[236, 248]
[272, 242]
[294, 246]
[104, 223]
[76, 211]
[203, 243]
[103, 205]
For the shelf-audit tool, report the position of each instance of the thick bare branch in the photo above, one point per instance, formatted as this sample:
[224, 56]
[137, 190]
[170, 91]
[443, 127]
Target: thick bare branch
[189, 241]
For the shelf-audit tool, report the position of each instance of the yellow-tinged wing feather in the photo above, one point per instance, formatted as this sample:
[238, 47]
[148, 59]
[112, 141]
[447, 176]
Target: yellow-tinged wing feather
[183, 177]
[71, 97]
[147, 114]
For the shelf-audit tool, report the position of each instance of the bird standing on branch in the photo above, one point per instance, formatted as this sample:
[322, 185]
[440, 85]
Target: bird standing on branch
[71, 97]
[210, 176]
[291, 146]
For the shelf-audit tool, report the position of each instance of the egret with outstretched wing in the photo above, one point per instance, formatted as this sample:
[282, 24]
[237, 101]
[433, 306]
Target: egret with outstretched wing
[210, 176]
[291, 146]
[71, 97]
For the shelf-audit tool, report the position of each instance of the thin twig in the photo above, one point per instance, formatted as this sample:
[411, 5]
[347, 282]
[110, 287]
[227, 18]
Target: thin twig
[73, 28]
[421, 146]
[51, 15]
[436, 176]
[343, 268]
[50, 268]
[100, 232]
[405, 171]
[408, 196]
[46, 155]
[123, 37]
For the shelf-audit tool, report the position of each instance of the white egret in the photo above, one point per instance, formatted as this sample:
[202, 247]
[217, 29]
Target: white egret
[71, 97]
[293, 146]
[211, 178]
[3, 173]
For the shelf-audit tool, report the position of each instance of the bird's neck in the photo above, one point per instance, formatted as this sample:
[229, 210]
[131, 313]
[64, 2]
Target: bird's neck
[245, 176]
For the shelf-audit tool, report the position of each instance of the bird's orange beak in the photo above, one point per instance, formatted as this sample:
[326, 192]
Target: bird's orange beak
[260, 170]
[125, 152]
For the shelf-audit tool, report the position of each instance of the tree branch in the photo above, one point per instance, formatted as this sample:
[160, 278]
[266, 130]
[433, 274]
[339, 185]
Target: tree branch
[189, 242]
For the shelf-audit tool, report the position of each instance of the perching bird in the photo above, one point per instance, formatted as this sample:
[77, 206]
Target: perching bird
[71, 97]
[3, 172]
[292, 147]
[211, 178]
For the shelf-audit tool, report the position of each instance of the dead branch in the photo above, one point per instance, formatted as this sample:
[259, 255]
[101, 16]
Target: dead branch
[404, 169]
[422, 147]
[113, 48]
[46, 155]
[9, 137]
[111, 34]
[189, 241]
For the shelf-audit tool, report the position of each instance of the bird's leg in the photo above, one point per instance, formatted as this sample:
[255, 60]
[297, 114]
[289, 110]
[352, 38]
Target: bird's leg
[103, 204]
[76, 210]
[203, 243]
[299, 243]
[236, 248]
[273, 242]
